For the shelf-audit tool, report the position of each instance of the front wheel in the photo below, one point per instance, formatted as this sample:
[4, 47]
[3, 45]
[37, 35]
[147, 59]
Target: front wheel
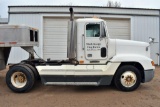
[127, 78]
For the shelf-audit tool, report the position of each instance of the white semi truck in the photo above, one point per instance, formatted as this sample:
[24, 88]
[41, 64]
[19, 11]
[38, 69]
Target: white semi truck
[93, 59]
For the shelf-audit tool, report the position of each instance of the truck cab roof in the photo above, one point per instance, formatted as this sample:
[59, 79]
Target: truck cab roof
[89, 20]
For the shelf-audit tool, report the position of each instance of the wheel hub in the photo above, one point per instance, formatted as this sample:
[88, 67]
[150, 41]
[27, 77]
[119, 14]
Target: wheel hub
[21, 78]
[128, 79]
[18, 79]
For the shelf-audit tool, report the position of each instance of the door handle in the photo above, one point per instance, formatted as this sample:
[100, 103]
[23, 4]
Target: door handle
[83, 42]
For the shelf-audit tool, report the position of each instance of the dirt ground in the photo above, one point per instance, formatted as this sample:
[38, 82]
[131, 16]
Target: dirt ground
[147, 95]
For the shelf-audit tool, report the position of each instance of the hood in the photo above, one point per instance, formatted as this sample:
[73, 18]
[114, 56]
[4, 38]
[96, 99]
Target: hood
[132, 47]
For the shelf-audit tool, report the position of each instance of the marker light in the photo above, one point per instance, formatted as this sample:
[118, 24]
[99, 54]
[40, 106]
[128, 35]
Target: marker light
[152, 63]
[81, 62]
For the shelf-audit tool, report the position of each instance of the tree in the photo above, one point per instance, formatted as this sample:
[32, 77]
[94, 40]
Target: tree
[113, 4]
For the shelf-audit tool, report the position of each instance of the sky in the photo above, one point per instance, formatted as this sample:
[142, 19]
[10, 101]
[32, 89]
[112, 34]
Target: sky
[153, 4]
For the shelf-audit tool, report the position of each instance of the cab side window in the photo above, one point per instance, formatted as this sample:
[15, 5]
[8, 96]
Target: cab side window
[92, 30]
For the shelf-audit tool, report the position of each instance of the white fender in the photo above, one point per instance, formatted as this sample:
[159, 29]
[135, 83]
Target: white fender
[143, 60]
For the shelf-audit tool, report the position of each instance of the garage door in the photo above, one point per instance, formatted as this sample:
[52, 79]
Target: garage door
[55, 38]
[119, 28]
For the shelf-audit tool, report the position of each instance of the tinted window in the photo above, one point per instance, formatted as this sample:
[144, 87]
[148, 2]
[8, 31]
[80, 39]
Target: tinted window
[93, 30]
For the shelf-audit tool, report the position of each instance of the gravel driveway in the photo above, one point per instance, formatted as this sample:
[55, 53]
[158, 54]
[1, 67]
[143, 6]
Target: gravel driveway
[147, 95]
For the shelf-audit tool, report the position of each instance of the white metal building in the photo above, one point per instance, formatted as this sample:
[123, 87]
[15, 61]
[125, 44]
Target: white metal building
[123, 23]
[3, 21]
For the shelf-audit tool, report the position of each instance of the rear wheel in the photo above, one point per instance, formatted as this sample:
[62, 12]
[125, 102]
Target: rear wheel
[127, 78]
[34, 70]
[20, 78]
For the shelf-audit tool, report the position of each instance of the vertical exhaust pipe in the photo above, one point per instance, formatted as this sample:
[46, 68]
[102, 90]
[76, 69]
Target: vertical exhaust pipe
[71, 14]
[71, 42]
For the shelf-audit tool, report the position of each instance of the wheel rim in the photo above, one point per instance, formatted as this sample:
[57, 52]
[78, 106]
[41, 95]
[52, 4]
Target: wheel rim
[18, 79]
[128, 79]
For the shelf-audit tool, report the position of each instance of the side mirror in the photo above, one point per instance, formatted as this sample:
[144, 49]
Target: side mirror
[151, 40]
[103, 32]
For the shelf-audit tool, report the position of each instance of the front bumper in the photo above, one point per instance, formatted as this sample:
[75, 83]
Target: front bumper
[148, 75]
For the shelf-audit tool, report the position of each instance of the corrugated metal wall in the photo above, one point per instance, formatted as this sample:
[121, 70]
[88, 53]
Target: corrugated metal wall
[144, 23]
[144, 27]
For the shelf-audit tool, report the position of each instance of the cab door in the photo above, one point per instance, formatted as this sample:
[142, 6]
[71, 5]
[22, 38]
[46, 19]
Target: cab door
[95, 46]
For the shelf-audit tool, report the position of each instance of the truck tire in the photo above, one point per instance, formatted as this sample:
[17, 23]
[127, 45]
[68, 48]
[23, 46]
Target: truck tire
[127, 78]
[20, 78]
[34, 70]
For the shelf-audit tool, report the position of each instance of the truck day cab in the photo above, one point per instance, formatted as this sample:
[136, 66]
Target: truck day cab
[93, 59]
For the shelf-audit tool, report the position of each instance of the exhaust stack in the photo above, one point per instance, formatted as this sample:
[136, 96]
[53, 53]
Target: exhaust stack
[72, 39]
[71, 14]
